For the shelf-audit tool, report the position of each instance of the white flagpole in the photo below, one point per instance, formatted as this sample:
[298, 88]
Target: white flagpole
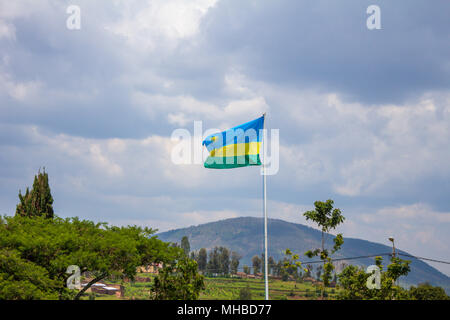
[266, 272]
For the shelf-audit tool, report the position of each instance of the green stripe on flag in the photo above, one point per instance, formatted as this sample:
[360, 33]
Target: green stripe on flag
[232, 162]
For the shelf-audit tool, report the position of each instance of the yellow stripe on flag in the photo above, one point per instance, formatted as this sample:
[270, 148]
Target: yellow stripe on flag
[236, 150]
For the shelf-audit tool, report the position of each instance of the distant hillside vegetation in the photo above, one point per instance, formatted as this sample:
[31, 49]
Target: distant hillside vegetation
[245, 236]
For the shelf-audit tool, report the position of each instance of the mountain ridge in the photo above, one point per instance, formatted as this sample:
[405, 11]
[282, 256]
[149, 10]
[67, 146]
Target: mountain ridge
[245, 236]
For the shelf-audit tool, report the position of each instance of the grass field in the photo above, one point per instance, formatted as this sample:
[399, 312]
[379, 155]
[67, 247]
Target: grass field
[228, 289]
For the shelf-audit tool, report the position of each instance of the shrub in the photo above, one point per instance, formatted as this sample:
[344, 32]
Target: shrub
[245, 293]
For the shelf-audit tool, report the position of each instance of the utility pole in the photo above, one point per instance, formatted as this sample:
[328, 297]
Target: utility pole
[393, 246]
[393, 256]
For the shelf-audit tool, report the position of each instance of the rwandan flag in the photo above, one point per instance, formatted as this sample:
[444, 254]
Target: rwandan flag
[235, 147]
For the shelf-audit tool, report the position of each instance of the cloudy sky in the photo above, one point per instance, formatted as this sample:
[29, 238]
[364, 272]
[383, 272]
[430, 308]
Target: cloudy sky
[363, 115]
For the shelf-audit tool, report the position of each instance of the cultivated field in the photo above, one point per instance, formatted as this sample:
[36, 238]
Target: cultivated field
[224, 288]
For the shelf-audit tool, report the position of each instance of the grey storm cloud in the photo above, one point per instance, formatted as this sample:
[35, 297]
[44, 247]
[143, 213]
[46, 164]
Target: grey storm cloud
[326, 44]
[303, 44]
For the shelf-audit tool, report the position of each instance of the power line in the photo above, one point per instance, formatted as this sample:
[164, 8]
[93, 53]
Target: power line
[350, 258]
[420, 258]
[318, 261]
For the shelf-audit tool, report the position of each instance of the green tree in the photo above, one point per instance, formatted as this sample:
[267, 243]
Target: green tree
[202, 259]
[327, 219]
[271, 265]
[178, 281]
[224, 261]
[425, 291]
[48, 246]
[353, 282]
[263, 264]
[308, 270]
[235, 257]
[318, 272]
[213, 266]
[21, 279]
[246, 269]
[291, 264]
[277, 268]
[256, 262]
[38, 201]
[185, 245]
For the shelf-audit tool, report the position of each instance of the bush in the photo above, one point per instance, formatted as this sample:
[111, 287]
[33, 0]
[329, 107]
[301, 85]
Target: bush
[245, 293]
[426, 291]
[178, 281]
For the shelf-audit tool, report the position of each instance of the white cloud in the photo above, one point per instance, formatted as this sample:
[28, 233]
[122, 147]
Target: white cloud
[20, 91]
[417, 211]
[246, 107]
[151, 24]
[204, 216]
[102, 162]
[287, 211]
[361, 149]
[184, 110]
[417, 228]
[410, 144]
[7, 30]
[237, 84]
[15, 9]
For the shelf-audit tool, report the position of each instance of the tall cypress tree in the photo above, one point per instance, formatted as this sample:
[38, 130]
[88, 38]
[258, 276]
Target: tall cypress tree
[214, 262]
[185, 245]
[224, 260]
[202, 259]
[235, 257]
[38, 201]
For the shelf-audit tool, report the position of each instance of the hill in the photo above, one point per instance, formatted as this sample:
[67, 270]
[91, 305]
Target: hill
[245, 236]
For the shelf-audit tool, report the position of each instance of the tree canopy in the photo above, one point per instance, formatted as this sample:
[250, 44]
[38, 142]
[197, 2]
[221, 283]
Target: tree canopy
[37, 247]
[353, 282]
[46, 247]
[425, 291]
[178, 281]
